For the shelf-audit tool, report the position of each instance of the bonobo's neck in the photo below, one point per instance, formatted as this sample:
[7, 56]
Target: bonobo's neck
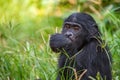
[70, 50]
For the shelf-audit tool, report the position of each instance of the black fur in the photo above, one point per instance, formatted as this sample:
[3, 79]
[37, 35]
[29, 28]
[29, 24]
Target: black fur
[82, 50]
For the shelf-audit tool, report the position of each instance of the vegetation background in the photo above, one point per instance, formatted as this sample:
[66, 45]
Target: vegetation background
[25, 28]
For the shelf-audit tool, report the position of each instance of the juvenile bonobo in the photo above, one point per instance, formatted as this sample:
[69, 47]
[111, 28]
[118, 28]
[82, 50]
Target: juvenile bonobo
[81, 49]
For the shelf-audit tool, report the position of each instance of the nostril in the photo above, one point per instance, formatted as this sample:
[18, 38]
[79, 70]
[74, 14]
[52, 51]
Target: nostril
[69, 35]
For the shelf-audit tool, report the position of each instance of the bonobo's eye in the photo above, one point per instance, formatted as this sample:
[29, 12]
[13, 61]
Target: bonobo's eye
[76, 28]
[67, 26]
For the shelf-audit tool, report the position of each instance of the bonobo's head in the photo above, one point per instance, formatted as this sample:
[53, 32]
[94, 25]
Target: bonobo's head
[80, 28]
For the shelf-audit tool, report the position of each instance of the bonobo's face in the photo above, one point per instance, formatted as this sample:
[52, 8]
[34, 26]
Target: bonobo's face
[75, 33]
[75, 30]
[72, 30]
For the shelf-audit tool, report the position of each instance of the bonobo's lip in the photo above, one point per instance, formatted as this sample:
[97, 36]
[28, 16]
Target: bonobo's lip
[71, 39]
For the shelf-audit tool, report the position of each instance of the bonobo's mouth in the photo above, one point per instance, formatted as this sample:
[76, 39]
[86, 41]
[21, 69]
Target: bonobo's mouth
[71, 39]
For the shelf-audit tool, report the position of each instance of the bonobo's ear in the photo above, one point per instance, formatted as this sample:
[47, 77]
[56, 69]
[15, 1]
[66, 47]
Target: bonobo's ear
[94, 29]
[93, 32]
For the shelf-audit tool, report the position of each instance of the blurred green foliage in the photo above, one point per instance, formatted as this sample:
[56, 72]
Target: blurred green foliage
[25, 27]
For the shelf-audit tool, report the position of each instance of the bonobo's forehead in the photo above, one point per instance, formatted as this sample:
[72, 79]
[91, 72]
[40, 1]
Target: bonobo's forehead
[80, 18]
[72, 23]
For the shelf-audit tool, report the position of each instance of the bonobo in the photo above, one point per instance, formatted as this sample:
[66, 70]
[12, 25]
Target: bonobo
[81, 49]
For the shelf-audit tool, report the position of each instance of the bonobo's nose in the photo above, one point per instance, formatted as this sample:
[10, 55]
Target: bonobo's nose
[68, 34]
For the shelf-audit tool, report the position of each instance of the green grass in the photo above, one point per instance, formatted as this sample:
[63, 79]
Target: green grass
[25, 52]
[24, 41]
